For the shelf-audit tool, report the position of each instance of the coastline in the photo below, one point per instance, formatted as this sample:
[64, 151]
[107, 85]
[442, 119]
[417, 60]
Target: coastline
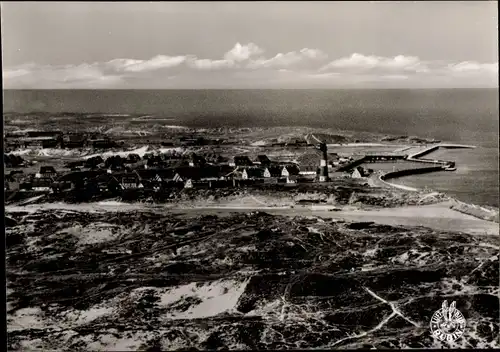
[482, 212]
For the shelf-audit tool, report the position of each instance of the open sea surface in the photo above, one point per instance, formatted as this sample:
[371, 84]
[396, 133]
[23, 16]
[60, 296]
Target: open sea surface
[466, 116]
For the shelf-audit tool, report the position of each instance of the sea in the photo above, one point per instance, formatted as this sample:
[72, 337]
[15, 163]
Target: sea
[465, 116]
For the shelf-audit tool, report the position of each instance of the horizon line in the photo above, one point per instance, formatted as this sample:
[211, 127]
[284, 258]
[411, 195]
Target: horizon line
[316, 88]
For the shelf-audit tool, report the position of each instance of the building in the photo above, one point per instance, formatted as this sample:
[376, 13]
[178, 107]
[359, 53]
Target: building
[46, 171]
[241, 160]
[53, 134]
[196, 160]
[42, 184]
[290, 170]
[106, 183]
[359, 172]
[205, 175]
[12, 181]
[62, 186]
[92, 163]
[262, 160]
[40, 142]
[102, 143]
[131, 181]
[78, 163]
[291, 179]
[323, 168]
[297, 143]
[74, 141]
[12, 160]
[157, 182]
[252, 173]
[114, 163]
[272, 171]
[132, 158]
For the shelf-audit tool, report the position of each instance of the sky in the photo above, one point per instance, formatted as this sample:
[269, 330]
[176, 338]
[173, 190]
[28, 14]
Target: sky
[190, 45]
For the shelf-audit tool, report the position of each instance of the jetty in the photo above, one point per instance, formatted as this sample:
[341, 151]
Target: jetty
[416, 156]
[435, 147]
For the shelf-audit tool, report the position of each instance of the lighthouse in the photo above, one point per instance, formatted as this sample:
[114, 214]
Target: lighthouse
[323, 167]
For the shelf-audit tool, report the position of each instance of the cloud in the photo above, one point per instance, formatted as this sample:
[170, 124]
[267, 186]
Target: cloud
[242, 52]
[361, 63]
[155, 63]
[248, 65]
[207, 64]
[473, 67]
[14, 73]
[289, 59]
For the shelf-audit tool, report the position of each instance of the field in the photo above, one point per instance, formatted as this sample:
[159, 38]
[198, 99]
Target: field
[128, 280]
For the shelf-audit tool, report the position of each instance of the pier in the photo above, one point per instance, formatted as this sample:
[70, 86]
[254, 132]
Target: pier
[447, 165]
[399, 155]
[435, 147]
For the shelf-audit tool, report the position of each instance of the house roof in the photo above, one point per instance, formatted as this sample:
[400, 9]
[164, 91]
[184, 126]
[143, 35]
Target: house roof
[263, 158]
[360, 169]
[274, 170]
[80, 175]
[254, 172]
[42, 182]
[243, 160]
[164, 173]
[197, 158]
[292, 169]
[310, 158]
[130, 179]
[47, 169]
[196, 173]
[105, 178]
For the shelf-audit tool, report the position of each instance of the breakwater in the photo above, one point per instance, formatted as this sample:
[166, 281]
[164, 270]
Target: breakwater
[407, 172]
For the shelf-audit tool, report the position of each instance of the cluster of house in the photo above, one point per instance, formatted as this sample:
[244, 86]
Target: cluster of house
[166, 170]
[157, 172]
[12, 160]
[55, 139]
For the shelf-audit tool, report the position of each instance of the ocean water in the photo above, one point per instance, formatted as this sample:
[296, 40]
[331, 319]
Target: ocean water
[468, 116]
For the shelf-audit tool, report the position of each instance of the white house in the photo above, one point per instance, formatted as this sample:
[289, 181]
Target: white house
[132, 181]
[289, 171]
[178, 178]
[252, 173]
[272, 172]
[307, 172]
[356, 174]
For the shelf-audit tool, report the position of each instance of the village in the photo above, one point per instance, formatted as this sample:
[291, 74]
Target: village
[157, 172]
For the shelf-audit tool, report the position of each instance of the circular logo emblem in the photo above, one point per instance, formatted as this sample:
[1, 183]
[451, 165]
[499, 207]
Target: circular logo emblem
[447, 323]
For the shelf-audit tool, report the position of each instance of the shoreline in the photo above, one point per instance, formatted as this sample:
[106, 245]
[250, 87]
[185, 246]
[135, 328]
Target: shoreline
[475, 210]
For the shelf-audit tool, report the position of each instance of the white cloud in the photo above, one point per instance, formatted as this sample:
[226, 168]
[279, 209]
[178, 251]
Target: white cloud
[472, 66]
[293, 58]
[207, 64]
[247, 66]
[313, 53]
[362, 63]
[155, 63]
[14, 73]
[242, 52]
